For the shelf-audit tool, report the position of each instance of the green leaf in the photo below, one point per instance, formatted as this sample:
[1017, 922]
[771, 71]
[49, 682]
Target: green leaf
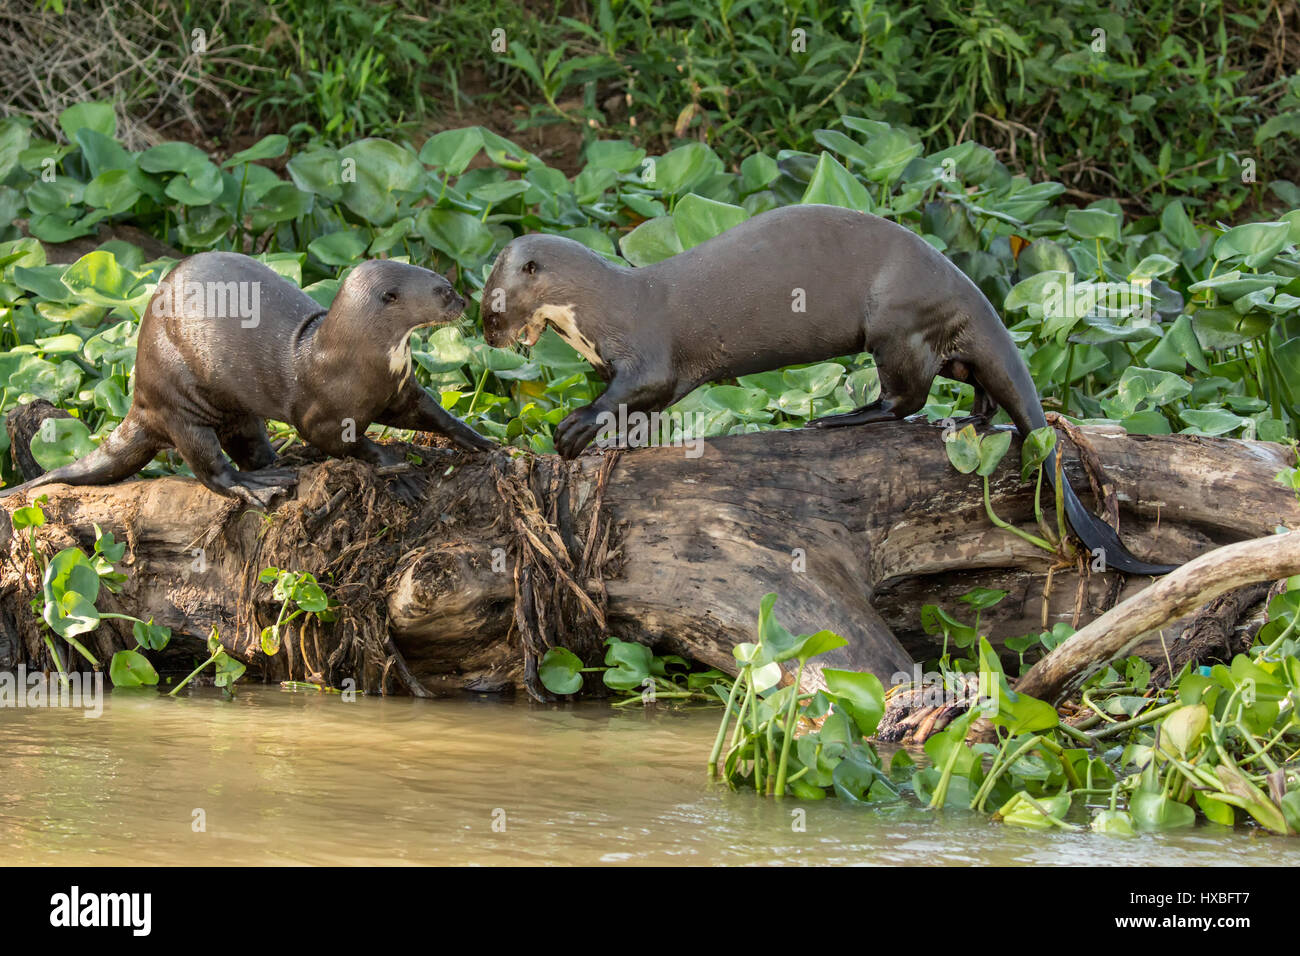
[113, 191]
[653, 241]
[227, 670]
[859, 781]
[1035, 289]
[559, 671]
[30, 516]
[1153, 386]
[342, 248]
[748, 404]
[682, 169]
[1113, 823]
[152, 636]
[1155, 811]
[1211, 421]
[1150, 267]
[1035, 449]
[629, 664]
[861, 693]
[98, 278]
[175, 157]
[1258, 242]
[268, 147]
[1177, 227]
[97, 116]
[757, 171]
[981, 599]
[1178, 348]
[69, 588]
[318, 170]
[1183, 728]
[817, 381]
[834, 185]
[615, 154]
[1019, 713]
[697, 219]
[777, 643]
[964, 450]
[131, 669]
[1221, 329]
[198, 188]
[381, 174]
[993, 447]
[60, 441]
[459, 235]
[1216, 811]
[281, 203]
[1093, 224]
[1019, 812]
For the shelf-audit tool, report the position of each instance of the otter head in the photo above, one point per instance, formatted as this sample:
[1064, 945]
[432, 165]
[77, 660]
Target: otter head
[397, 298]
[541, 280]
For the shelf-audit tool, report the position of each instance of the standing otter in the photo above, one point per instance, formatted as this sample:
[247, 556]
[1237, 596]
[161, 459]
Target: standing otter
[226, 343]
[727, 308]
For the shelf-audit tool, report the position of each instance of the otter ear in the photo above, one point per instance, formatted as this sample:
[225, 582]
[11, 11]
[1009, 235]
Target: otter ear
[389, 297]
[530, 267]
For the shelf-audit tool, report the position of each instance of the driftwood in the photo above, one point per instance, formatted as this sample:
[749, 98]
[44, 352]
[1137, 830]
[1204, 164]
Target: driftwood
[1222, 629]
[854, 528]
[1117, 632]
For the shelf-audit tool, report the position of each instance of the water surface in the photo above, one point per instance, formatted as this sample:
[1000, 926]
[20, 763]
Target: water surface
[293, 778]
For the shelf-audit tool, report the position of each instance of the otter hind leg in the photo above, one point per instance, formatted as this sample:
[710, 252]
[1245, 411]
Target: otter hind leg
[247, 445]
[984, 406]
[904, 387]
[201, 449]
[960, 371]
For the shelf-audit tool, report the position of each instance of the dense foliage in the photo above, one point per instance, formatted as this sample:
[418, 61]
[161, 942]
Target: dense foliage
[1220, 743]
[1142, 100]
[1157, 322]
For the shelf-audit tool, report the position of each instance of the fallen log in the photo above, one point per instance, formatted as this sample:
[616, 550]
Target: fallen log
[1116, 633]
[509, 554]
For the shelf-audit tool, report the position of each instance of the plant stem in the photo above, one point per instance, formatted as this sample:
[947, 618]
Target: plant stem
[194, 673]
[1146, 718]
[477, 392]
[753, 722]
[722, 730]
[789, 732]
[58, 663]
[1000, 765]
[1007, 526]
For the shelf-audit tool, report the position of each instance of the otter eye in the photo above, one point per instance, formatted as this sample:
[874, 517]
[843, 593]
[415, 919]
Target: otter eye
[530, 267]
[389, 297]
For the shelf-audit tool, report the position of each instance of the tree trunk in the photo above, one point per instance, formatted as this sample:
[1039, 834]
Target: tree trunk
[854, 528]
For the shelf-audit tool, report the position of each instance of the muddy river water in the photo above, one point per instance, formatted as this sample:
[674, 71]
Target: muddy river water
[275, 777]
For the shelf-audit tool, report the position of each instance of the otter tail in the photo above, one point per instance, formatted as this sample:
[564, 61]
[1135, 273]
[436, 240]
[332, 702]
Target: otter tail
[126, 450]
[1012, 387]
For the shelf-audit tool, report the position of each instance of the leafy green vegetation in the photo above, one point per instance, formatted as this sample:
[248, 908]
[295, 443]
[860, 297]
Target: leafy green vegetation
[1148, 101]
[296, 589]
[70, 586]
[632, 671]
[1219, 745]
[1157, 322]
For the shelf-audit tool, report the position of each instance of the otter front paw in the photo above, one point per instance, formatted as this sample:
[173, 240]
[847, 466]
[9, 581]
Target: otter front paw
[576, 432]
[256, 496]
